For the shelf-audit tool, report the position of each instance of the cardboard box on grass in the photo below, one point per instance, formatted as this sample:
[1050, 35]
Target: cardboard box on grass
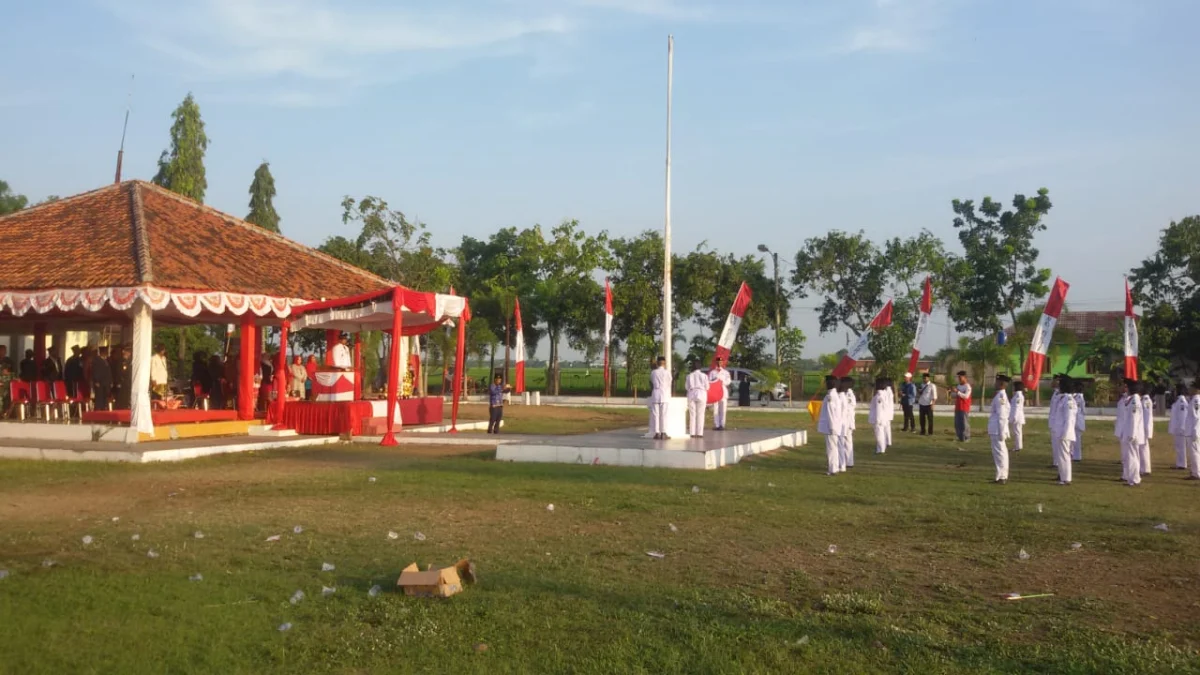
[439, 583]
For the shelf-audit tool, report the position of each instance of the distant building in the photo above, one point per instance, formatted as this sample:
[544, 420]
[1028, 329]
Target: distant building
[1083, 326]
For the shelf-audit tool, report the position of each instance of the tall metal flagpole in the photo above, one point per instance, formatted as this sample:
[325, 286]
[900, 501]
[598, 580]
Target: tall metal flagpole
[668, 350]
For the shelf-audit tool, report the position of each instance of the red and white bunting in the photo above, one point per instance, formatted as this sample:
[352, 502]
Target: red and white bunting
[1131, 336]
[1042, 334]
[733, 323]
[882, 320]
[608, 321]
[519, 383]
[922, 322]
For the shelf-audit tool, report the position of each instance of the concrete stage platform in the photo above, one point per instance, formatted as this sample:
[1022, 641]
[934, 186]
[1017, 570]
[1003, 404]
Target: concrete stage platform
[148, 451]
[627, 447]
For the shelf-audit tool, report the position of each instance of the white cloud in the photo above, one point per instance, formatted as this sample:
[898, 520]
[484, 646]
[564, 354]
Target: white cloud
[664, 9]
[898, 26]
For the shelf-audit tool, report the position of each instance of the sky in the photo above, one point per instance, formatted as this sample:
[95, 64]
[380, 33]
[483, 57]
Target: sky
[791, 117]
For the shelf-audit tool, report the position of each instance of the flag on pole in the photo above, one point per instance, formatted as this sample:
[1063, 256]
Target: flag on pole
[1042, 334]
[922, 322]
[728, 335]
[882, 320]
[519, 348]
[1131, 336]
[608, 320]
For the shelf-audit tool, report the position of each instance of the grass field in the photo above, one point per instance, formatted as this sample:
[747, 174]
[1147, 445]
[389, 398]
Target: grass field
[924, 545]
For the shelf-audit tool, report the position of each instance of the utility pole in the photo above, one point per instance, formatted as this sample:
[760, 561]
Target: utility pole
[775, 261]
[667, 337]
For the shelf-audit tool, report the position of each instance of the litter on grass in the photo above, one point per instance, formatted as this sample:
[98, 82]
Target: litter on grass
[151, 553]
[1022, 555]
[832, 548]
[327, 567]
[375, 590]
[1039, 508]
[770, 485]
[87, 540]
[550, 508]
[3, 574]
[327, 591]
[371, 479]
[136, 537]
[1018, 596]
[296, 597]
[284, 627]
[196, 577]
[1076, 546]
[297, 529]
[274, 537]
[393, 535]
[672, 526]
[48, 563]
[116, 519]
[439, 583]
[1162, 527]
[695, 489]
[198, 535]
[419, 537]
[657, 555]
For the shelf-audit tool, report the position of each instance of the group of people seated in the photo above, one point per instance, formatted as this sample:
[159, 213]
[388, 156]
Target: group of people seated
[215, 379]
[100, 375]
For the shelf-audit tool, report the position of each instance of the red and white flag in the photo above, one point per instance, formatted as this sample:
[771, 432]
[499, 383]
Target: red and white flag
[922, 322]
[519, 347]
[1042, 334]
[1131, 337]
[608, 320]
[733, 324]
[882, 320]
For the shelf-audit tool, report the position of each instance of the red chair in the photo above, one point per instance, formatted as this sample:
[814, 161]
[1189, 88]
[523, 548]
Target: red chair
[199, 397]
[21, 396]
[80, 401]
[42, 399]
[59, 389]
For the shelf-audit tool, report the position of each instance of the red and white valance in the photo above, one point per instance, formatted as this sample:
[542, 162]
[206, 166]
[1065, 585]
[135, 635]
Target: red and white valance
[422, 312]
[187, 303]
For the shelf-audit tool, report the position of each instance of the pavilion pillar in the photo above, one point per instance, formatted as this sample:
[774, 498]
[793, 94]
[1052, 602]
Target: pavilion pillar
[460, 371]
[331, 339]
[39, 346]
[140, 418]
[358, 369]
[245, 383]
[393, 381]
[281, 377]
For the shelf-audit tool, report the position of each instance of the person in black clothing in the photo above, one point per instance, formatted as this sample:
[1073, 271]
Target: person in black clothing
[216, 373]
[5, 361]
[102, 380]
[266, 383]
[908, 398]
[124, 378]
[73, 371]
[28, 371]
[201, 374]
[51, 366]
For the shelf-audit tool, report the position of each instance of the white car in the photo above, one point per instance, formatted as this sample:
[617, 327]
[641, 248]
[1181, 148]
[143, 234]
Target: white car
[758, 385]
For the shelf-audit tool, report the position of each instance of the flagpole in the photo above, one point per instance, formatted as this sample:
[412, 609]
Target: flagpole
[668, 349]
[606, 339]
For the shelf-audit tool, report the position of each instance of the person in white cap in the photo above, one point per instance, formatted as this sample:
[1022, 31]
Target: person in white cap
[719, 374]
[830, 423]
[908, 398]
[1130, 430]
[660, 386]
[1065, 430]
[998, 429]
[1177, 425]
[1148, 422]
[851, 421]
[697, 399]
[877, 416]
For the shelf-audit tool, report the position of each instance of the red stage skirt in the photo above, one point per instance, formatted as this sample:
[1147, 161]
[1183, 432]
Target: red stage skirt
[325, 419]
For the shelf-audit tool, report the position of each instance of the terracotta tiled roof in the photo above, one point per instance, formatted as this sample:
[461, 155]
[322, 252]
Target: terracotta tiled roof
[136, 233]
[1085, 324]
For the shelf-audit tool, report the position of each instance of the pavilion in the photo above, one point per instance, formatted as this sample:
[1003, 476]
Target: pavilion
[134, 256]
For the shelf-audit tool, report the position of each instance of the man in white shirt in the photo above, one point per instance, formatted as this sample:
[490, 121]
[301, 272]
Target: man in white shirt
[850, 413]
[1130, 430]
[962, 408]
[926, 397]
[660, 387]
[877, 417]
[719, 374]
[829, 423]
[1191, 425]
[1052, 417]
[341, 353]
[1017, 416]
[998, 429]
[1065, 430]
[1148, 422]
[1177, 425]
[159, 377]
[1080, 422]
[697, 398]
[889, 411]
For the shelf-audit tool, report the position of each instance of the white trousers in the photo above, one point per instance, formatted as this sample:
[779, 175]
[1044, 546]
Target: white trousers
[658, 418]
[1065, 448]
[1077, 447]
[881, 437]
[833, 451]
[887, 428]
[1144, 457]
[1193, 447]
[719, 413]
[1054, 442]
[1181, 452]
[843, 449]
[1131, 461]
[1018, 436]
[696, 417]
[848, 450]
[1000, 456]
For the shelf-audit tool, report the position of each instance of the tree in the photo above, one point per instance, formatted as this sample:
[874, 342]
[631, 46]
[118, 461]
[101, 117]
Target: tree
[1167, 286]
[707, 284]
[262, 196]
[11, 202]
[849, 271]
[791, 357]
[998, 271]
[181, 167]
[391, 246]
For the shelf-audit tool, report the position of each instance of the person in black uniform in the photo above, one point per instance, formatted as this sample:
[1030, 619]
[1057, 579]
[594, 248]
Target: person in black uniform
[102, 379]
[73, 371]
[124, 378]
[28, 372]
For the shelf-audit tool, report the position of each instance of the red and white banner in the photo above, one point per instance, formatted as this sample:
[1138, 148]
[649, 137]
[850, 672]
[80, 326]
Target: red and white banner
[1042, 334]
[922, 322]
[733, 324]
[519, 383]
[608, 320]
[882, 320]
[1131, 337]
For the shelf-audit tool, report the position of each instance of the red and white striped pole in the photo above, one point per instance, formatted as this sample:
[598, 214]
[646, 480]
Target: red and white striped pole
[519, 384]
[922, 322]
[882, 320]
[1042, 334]
[1131, 336]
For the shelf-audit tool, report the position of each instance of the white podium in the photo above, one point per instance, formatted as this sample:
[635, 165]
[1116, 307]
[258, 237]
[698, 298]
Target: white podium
[676, 422]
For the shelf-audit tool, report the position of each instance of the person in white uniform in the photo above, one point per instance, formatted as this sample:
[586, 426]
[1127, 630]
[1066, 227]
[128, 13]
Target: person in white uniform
[1148, 421]
[1017, 416]
[889, 411]
[341, 353]
[1129, 430]
[1065, 430]
[998, 428]
[1052, 418]
[877, 416]
[697, 398]
[719, 374]
[1177, 425]
[1080, 422]
[829, 423]
[660, 392]
[851, 421]
[1192, 431]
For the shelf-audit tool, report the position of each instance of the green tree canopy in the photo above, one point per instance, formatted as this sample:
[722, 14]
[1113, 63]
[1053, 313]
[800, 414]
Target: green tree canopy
[1167, 286]
[11, 202]
[181, 166]
[262, 198]
[849, 271]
